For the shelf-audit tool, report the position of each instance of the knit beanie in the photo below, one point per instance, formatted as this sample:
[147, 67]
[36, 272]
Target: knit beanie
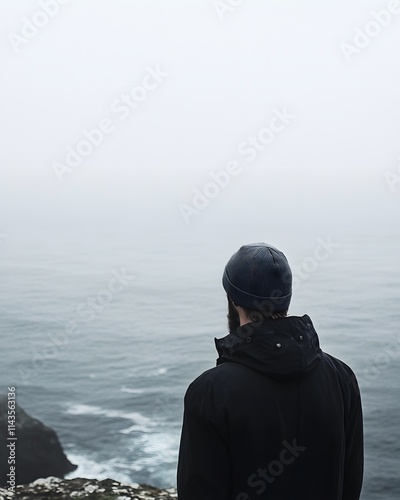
[258, 277]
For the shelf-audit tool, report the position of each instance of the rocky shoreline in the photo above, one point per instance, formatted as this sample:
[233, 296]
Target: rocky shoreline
[93, 489]
[34, 464]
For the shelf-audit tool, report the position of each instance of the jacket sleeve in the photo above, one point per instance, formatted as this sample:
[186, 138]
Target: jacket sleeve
[203, 465]
[354, 453]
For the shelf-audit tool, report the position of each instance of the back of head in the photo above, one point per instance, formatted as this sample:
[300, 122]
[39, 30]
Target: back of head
[258, 278]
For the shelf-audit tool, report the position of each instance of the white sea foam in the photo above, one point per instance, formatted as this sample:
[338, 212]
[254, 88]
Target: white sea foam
[140, 373]
[133, 391]
[94, 470]
[158, 449]
[135, 417]
[158, 454]
[134, 428]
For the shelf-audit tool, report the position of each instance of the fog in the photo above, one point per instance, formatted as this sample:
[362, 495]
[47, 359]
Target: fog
[297, 102]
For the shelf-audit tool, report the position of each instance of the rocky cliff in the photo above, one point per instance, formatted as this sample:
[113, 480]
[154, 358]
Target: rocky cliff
[38, 452]
[67, 489]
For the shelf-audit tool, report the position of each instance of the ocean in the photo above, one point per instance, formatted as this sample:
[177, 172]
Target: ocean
[102, 334]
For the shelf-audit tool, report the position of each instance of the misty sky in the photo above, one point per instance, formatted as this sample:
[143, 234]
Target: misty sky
[207, 79]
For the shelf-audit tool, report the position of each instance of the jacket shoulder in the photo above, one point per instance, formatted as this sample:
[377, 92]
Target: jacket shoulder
[203, 381]
[346, 377]
[341, 367]
[214, 385]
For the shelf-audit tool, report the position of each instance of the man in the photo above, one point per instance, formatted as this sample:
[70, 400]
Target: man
[277, 418]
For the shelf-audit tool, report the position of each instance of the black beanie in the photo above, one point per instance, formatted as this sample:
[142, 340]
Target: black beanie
[258, 277]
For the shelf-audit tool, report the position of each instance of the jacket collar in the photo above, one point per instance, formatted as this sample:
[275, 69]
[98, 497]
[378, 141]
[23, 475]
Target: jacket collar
[281, 348]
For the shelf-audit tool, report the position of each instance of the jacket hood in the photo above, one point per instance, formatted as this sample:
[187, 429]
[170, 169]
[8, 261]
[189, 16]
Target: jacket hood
[281, 348]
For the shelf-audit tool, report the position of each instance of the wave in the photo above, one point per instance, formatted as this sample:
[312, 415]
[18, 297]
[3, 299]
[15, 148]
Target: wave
[133, 391]
[138, 372]
[91, 469]
[136, 417]
[155, 454]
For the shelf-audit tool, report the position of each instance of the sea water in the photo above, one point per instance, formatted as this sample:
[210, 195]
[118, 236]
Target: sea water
[101, 337]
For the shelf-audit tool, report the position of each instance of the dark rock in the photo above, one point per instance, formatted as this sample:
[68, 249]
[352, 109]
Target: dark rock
[53, 488]
[38, 451]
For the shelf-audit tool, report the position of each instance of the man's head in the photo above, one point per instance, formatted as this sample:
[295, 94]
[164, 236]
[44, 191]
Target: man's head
[258, 283]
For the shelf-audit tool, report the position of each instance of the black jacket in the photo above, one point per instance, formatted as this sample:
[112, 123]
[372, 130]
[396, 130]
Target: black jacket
[276, 419]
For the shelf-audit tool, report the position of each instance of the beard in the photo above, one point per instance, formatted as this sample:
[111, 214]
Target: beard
[233, 317]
